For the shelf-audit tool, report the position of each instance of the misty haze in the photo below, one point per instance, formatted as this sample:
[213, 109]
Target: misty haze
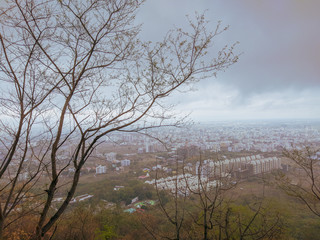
[141, 119]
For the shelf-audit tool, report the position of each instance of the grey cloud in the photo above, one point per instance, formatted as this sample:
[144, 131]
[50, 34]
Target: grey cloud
[280, 39]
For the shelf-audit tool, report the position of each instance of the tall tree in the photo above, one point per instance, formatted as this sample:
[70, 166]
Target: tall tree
[73, 72]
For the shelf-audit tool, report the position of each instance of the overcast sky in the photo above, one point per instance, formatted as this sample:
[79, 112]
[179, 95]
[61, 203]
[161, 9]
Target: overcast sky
[278, 74]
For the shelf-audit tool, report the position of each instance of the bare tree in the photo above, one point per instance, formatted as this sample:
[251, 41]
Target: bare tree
[175, 210]
[74, 72]
[202, 205]
[194, 197]
[219, 215]
[254, 220]
[171, 197]
[303, 180]
[209, 187]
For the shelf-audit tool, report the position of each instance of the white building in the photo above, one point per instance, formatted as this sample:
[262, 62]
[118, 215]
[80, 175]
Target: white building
[111, 156]
[257, 164]
[125, 162]
[23, 176]
[101, 169]
[183, 184]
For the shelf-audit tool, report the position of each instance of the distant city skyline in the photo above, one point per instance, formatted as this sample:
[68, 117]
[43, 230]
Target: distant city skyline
[277, 76]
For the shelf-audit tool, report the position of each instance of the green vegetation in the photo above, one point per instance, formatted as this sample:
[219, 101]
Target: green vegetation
[104, 190]
[254, 209]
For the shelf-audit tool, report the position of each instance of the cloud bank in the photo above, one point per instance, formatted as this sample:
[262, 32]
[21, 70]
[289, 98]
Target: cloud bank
[278, 74]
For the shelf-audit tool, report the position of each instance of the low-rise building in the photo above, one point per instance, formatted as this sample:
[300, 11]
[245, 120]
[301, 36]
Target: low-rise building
[101, 169]
[125, 162]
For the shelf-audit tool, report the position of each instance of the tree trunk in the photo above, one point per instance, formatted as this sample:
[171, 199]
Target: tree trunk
[1, 227]
[205, 226]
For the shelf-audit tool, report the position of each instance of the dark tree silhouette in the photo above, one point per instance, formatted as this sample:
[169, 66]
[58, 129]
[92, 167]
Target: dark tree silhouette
[72, 72]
